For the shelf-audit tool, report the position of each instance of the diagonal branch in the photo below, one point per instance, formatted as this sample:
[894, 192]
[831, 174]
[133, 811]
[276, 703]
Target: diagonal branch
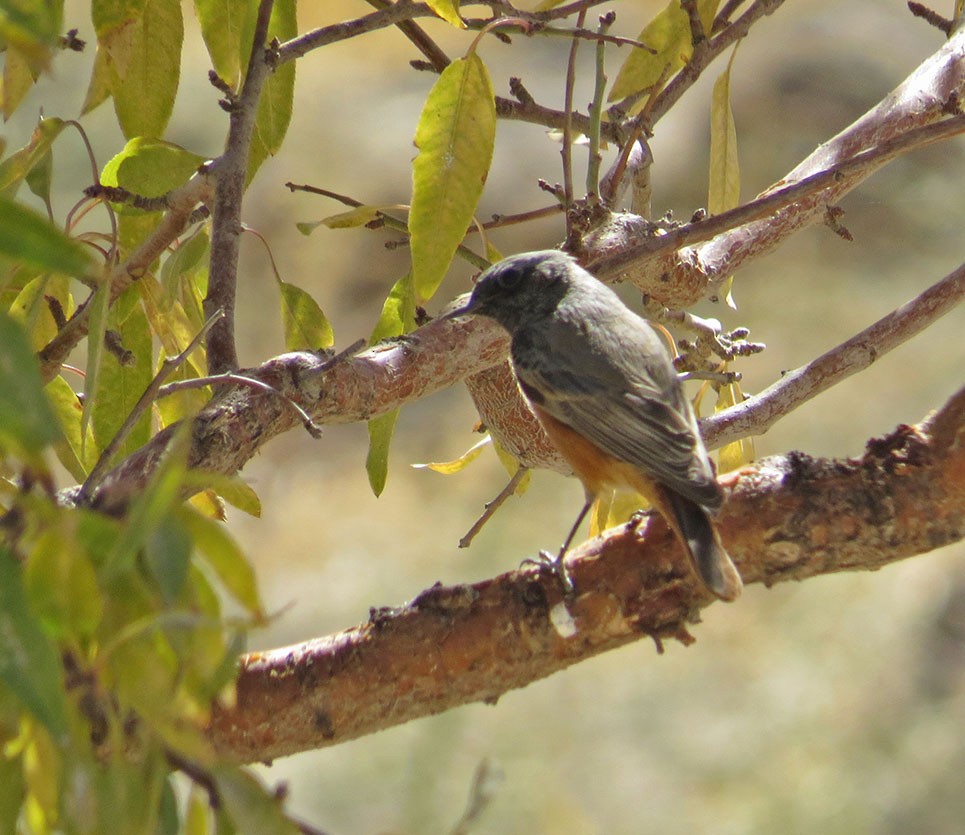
[787, 518]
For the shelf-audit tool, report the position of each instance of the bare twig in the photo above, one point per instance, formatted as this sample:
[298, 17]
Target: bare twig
[493, 506]
[757, 414]
[231, 169]
[566, 151]
[931, 16]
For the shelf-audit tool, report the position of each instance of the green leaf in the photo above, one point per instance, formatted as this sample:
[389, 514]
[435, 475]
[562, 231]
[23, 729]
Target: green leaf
[448, 10]
[358, 216]
[398, 317]
[61, 583]
[32, 28]
[142, 41]
[18, 77]
[71, 452]
[150, 168]
[223, 556]
[29, 238]
[455, 137]
[15, 168]
[99, 304]
[235, 491]
[306, 328]
[167, 553]
[227, 27]
[26, 419]
[29, 661]
[119, 384]
[724, 179]
[32, 307]
[668, 34]
[252, 808]
[275, 105]
[99, 86]
[377, 460]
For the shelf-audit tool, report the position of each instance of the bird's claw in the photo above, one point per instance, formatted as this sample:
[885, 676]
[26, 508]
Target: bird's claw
[544, 560]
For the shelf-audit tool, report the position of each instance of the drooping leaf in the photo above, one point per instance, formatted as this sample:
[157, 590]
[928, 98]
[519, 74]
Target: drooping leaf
[32, 306]
[29, 238]
[455, 138]
[29, 661]
[99, 86]
[221, 554]
[27, 421]
[15, 168]
[458, 464]
[275, 105]
[724, 180]
[448, 10]
[31, 28]
[398, 317]
[227, 26]
[358, 216]
[18, 77]
[142, 41]
[233, 489]
[737, 453]
[306, 327]
[99, 308]
[668, 35]
[75, 456]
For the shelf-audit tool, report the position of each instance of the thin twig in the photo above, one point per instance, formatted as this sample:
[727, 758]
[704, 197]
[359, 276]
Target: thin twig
[596, 108]
[566, 151]
[931, 16]
[493, 506]
[144, 402]
[417, 35]
[757, 414]
[231, 170]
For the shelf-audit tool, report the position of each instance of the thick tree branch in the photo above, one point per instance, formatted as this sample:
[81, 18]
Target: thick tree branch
[787, 517]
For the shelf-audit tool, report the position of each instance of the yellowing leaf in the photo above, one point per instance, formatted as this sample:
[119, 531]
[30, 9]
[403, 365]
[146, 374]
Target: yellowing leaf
[15, 168]
[448, 10]
[668, 34]
[143, 54]
[455, 137]
[738, 453]
[306, 328]
[460, 463]
[358, 216]
[724, 186]
[18, 78]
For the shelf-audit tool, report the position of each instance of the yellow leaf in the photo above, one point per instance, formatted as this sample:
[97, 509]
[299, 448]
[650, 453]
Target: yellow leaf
[460, 463]
[733, 455]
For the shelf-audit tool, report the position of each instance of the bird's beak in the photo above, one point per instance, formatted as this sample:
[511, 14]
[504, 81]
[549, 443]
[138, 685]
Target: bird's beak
[467, 308]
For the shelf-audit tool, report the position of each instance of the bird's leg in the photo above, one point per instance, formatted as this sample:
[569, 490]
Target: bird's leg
[556, 564]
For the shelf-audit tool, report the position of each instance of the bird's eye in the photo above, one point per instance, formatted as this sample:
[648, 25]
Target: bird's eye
[509, 279]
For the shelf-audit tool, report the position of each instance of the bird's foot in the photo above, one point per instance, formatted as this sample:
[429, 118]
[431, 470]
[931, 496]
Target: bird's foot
[544, 560]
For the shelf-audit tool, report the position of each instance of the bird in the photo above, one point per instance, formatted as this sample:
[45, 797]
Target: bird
[603, 386]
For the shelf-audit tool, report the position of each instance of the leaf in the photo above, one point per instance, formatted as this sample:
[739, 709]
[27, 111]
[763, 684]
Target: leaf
[99, 86]
[167, 553]
[67, 407]
[18, 77]
[29, 238]
[737, 453]
[142, 41]
[120, 385]
[61, 583]
[458, 464]
[448, 10]
[26, 419]
[32, 28]
[233, 489]
[358, 216]
[398, 317]
[227, 27]
[275, 105]
[380, 429]
[32, 309]
[15, 168]
[250, 806]
[29, 661]
[668, 34]
[455, 137]
[149, 168]
[305, 326]
[724, 180]
[99, 305]
[223, 556]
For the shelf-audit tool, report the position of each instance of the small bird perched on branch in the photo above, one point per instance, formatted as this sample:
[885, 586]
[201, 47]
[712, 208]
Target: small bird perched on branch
[605, 390]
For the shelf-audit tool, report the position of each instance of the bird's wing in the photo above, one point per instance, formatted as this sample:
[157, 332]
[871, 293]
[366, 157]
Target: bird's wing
[623, 397]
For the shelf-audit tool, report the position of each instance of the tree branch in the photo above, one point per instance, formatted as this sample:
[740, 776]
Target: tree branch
[231, 169]
[786, 518]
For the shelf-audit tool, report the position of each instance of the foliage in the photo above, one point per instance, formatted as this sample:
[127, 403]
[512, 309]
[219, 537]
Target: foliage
[120, 631]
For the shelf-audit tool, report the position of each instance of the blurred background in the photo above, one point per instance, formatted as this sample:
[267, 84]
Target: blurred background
[834, 706]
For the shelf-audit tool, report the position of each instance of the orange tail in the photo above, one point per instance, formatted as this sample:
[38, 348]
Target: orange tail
[697, 532]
